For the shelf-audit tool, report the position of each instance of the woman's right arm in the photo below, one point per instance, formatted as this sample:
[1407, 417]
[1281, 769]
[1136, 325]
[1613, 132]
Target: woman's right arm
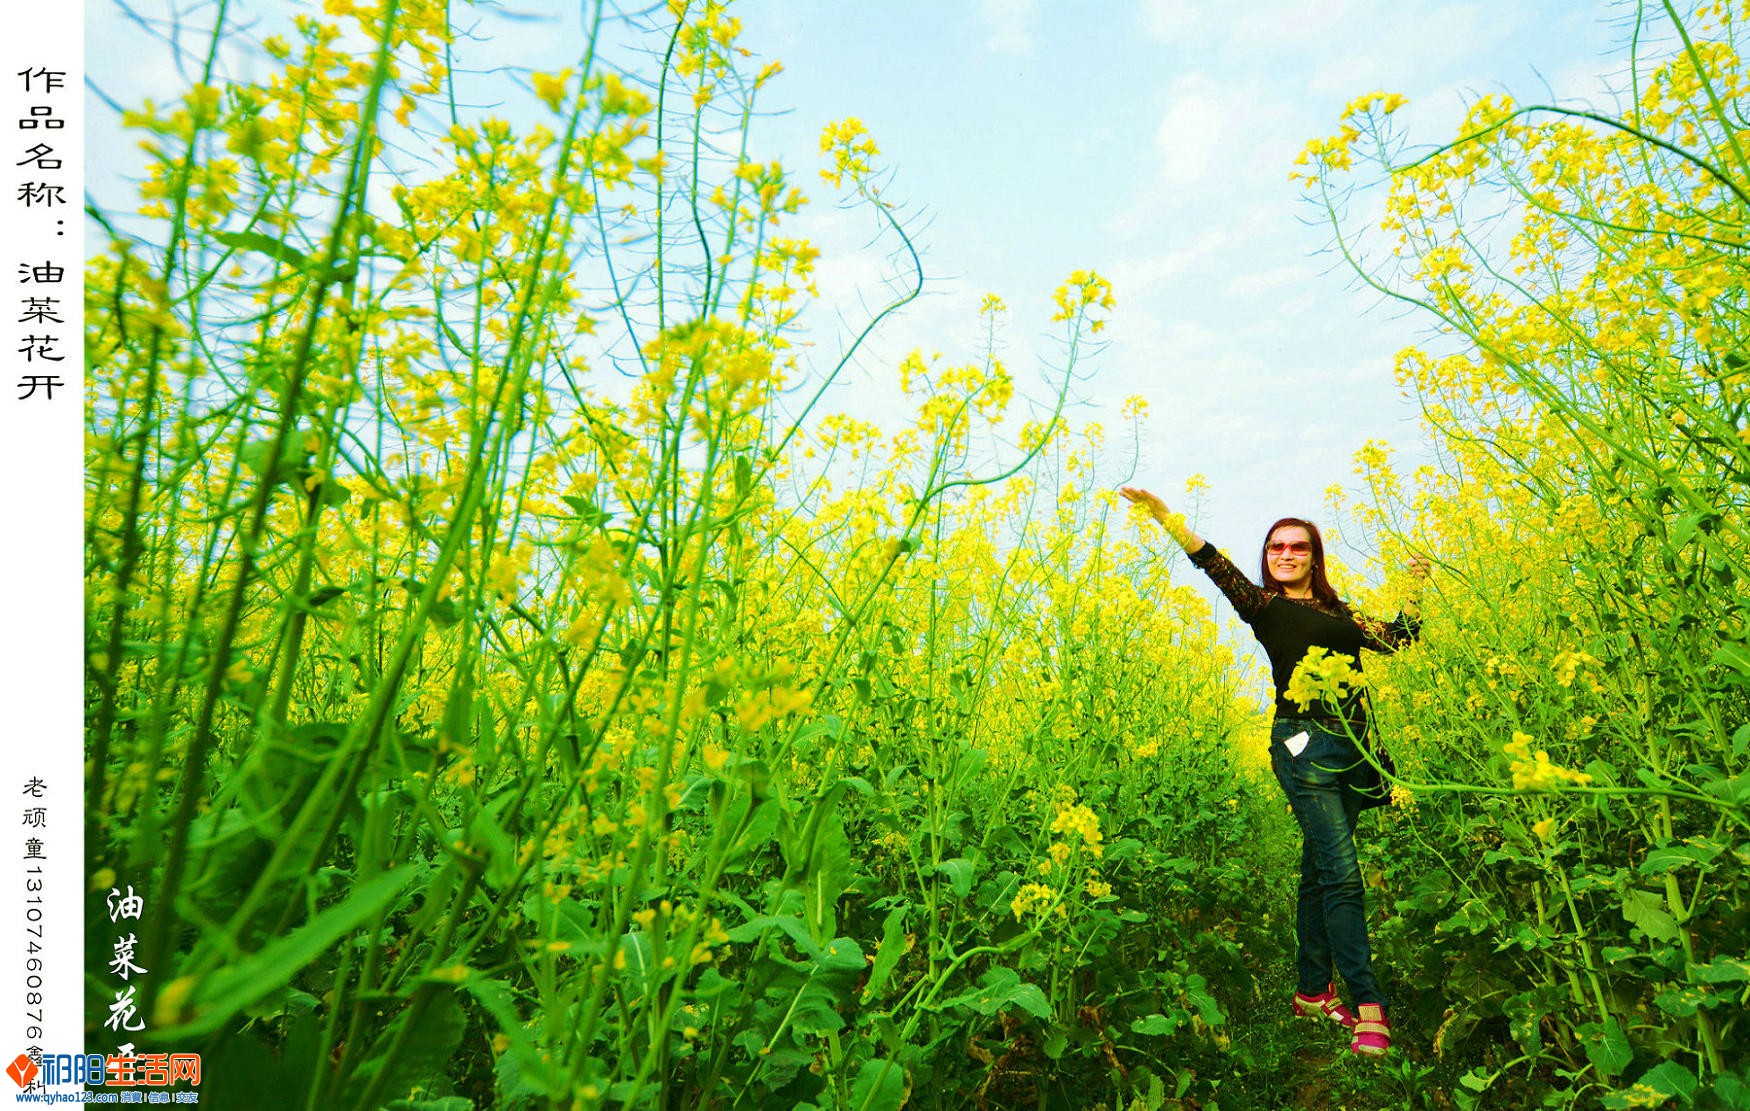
[1174, 523]
[1247, 597]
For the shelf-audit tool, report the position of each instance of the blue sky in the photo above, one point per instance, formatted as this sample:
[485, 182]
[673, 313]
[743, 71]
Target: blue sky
[1150, 140]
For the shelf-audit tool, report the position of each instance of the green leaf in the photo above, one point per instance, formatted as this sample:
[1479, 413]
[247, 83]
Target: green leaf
[1686, 526]
[1725, 970]
[999, 988]
[1208, 1008]
[1607, 1047]
[1681, 1002]
[829, 868]
[423, 1056]
[959, 873]
[1731, 1093]
[1477, 1080]
[501, 851]
[887, 956]
[1473, 918]
[332, 493]
[880, 1086]
[831, 979]
[1673, 857]
[257, 455]
[534, 1070]
[1647, 910]
[1055, 1043]
[1669, 1079]
[1155, 1025]
[325, 594]
[1734, 655]
[1525, 1021]
[1153, 1089]
[760, 826]
[572, 923]
[277, 249]
[216, 997]
[591, 514]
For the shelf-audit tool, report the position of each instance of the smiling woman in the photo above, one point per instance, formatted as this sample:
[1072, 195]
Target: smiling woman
[1315, 752]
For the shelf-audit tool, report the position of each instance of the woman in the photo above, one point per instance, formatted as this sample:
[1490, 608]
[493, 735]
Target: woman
[1313, 753]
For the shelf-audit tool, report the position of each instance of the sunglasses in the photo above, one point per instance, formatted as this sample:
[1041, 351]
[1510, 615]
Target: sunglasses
[1298, 547]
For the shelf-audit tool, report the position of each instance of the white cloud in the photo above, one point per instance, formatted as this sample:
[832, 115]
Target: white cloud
[1189, 131]
[1276, 277]
[1171, 20]
[1009, 25]
[1132, 278]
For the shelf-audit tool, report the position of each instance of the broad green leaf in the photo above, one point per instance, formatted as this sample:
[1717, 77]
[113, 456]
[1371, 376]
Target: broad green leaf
[501, 851]
[1000, 988]
[1725, 970]
[1647, 910]
[758, 829]
[858, 784]
[959, 873]
[533, 1072]
[1681, 1002]
[1473, 918]
[1477, 1080]
[880, 1086]
[258, 454]
[332, 493]
[1525, 1022]
[1672, 857]
[1735, 655]
[1208, 1008]
[568, 921]
[1607, 1047]
[887, 956]
[588, 512]
[1732, 1093]
[1669, 1079]
[1155, 1025]
[421, 1059]
[1055, 1043]
[1687, 525]
[205, 1005]
[830, 983]
[829, 869]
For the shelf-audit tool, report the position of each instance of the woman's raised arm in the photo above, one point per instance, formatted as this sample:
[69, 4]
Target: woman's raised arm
[1174, 523]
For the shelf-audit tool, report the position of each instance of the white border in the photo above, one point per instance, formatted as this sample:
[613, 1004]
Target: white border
[41, 556]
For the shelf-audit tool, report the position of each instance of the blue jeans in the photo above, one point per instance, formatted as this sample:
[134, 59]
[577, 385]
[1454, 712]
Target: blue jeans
[1330, 922]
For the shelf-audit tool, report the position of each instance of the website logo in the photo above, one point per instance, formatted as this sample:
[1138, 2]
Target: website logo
[22, 1070]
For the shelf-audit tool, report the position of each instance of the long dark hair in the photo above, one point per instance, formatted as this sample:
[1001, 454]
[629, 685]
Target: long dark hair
[1321, 586]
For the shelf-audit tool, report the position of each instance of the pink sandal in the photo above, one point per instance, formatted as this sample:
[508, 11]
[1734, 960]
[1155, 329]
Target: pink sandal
[1372, 1032]
[1323, 1005]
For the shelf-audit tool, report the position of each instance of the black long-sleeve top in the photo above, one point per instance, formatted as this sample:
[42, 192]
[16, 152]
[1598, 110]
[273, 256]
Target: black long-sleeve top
[1287, 627]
